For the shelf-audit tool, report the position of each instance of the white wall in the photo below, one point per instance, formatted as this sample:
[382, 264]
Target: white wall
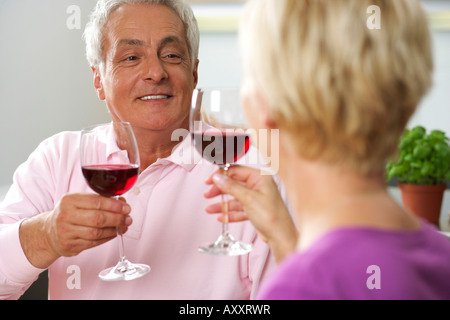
[46, 83]
[434, 112]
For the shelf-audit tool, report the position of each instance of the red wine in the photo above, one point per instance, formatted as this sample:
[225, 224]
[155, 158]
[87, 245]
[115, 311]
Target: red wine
[221, 147]
[110, 180]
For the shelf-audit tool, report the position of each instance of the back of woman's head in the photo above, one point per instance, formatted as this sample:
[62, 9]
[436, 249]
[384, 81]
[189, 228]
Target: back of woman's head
[342, 92]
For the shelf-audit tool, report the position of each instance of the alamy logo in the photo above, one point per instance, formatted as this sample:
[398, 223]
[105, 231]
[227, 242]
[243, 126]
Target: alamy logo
[374, 20]
[74, 280]
[374, 281]
[73, 21]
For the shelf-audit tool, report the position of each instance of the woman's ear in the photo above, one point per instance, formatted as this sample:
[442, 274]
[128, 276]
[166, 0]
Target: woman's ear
[256, 107]
[265, 116]
[98, 85]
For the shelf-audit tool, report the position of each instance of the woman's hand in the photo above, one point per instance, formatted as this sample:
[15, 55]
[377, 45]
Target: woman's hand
[256, 198]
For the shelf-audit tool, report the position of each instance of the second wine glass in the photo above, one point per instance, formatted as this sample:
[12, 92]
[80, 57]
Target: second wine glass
[219, 134]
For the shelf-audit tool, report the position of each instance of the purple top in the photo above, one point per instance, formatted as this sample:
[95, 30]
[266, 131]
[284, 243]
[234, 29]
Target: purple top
[366, 263]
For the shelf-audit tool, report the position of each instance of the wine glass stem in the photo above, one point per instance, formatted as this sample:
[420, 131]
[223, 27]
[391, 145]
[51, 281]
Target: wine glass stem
[225, 214]
[224, 217]
[121, 246]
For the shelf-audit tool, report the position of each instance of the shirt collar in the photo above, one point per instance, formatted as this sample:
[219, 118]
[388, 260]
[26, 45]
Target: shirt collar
[109, 140]
[183, 154]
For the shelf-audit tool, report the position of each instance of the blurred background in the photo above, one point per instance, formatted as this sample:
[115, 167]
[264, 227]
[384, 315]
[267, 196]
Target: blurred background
[46, 83]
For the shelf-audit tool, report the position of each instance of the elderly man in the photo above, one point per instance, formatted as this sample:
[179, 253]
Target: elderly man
[144, 60]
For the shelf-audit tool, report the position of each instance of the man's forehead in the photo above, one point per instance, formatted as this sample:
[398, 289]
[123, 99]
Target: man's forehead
[157, 13]
[124, 23]
[141, 43]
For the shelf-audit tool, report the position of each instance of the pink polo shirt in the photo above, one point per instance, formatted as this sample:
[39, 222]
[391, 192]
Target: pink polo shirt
[169, 223]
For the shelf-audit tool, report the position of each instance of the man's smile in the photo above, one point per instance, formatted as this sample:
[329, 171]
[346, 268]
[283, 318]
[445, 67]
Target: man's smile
[154, 97]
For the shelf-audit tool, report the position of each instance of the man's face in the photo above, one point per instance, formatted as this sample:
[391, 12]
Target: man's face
[148, 75]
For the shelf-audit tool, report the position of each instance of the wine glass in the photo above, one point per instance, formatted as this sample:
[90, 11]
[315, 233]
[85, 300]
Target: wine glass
[217, 127]
[110, 165]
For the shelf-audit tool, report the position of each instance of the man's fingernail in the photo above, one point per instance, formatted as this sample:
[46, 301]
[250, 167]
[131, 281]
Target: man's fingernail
[128, 221]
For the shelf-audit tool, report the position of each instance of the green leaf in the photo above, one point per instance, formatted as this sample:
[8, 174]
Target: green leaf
[422, 151]
[427, 169]
[416, 164]
[417, 132]
[414, 176]
[447, 176]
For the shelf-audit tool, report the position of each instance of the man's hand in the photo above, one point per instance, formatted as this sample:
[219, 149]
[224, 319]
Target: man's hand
[78, 222]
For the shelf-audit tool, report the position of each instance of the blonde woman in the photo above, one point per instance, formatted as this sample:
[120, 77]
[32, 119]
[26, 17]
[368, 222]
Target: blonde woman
[341, 93]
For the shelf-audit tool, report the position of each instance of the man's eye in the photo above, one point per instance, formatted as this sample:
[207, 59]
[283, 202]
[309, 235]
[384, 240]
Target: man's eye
[172, 58]
[131, 58]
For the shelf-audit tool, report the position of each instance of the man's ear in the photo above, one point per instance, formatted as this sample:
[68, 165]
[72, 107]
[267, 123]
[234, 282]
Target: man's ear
[98, 85]
[195, 73]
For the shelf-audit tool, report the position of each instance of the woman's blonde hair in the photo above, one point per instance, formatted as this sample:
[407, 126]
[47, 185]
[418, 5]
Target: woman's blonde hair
[341, 91]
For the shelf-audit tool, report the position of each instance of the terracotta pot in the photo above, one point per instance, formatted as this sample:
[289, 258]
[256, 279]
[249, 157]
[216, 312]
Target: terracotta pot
[424, 201]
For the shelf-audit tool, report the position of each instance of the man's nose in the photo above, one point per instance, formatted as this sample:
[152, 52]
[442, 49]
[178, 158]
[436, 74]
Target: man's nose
[154, 70]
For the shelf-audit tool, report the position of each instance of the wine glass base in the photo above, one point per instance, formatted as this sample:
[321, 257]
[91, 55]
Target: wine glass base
[124, 270]
[226, 246]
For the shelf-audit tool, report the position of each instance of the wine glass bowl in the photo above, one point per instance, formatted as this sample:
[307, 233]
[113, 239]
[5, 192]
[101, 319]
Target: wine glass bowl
[110, 164]
[219, 134]
[110, 180]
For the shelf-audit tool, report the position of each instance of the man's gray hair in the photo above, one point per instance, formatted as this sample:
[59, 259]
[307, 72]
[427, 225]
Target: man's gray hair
[93, 33]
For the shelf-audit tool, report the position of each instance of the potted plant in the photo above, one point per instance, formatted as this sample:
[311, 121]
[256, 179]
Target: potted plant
[422, 169]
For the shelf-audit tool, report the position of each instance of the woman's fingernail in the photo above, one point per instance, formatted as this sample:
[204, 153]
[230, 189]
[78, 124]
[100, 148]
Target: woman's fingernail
[219, 179]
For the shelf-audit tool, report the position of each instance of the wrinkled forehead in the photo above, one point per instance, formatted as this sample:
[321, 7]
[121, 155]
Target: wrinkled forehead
[144, 19]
